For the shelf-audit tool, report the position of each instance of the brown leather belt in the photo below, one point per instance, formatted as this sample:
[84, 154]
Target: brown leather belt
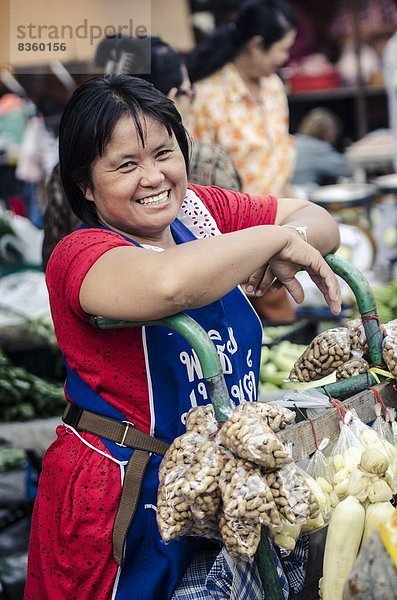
[125, 435]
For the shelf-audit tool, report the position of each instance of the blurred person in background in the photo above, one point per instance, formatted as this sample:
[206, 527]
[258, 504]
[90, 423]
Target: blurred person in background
[317, 160]
[241, 103]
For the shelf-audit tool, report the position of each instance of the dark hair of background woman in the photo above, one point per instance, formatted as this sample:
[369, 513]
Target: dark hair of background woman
[166, 64]
[148, 58]
[88, 122]
[271, 19]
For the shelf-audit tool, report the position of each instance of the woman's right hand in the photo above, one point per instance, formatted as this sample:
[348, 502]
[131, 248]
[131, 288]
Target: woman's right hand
[295, 256]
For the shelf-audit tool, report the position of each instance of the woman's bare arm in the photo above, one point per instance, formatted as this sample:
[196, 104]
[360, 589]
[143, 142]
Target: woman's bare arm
[136, 284]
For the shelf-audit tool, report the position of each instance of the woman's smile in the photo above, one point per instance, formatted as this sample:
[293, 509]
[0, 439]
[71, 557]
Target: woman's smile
[155, 200]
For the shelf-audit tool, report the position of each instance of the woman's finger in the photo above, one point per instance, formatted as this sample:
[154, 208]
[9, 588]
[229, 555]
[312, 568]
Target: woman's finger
[266, 283]
[254, 282]
[329, 287]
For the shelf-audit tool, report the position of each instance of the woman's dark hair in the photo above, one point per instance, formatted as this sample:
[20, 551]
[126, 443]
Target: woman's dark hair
[166, 66]
[271, 19]
[88, 122]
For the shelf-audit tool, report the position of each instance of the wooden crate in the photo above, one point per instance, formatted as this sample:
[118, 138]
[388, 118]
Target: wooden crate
[301, 437]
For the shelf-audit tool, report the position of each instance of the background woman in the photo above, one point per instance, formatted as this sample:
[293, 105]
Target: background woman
[242, 105]
[241, 102]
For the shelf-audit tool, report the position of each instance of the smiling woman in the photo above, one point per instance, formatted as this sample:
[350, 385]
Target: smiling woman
[150, 246]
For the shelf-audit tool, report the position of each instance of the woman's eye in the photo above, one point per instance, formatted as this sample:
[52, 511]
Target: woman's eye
[127, 165]
[163, 153]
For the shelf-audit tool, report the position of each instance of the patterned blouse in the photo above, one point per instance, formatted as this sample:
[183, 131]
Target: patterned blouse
[255, 133]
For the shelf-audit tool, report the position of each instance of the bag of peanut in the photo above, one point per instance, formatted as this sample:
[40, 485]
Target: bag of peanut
[247, 435]
[276, 417]
[326, 352]
[246, 494]
[390, 346]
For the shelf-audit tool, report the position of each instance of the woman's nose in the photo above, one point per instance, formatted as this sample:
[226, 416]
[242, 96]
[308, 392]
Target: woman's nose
[152, 175]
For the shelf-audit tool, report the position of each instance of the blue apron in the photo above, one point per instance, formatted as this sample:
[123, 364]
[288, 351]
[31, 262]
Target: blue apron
[151, 568]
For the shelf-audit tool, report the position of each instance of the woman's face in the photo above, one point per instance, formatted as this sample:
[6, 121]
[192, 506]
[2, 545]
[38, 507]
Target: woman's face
[266, 61]
[137, 189]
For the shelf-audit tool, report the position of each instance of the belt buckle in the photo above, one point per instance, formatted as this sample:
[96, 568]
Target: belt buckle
[128, 424]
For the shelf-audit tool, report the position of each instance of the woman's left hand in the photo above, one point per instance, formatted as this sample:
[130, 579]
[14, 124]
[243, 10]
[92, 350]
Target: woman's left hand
[281, 270]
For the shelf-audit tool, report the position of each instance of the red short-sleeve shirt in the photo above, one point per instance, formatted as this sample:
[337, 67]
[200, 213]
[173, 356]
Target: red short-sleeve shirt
[112, 363]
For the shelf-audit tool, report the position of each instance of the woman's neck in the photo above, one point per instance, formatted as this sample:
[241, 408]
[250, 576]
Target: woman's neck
[252, 82]
[164, 240]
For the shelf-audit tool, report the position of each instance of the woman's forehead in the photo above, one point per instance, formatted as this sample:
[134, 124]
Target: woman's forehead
[148, 131]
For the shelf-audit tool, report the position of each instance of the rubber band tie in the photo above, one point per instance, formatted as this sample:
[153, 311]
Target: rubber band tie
[306, 418]
[378, 400]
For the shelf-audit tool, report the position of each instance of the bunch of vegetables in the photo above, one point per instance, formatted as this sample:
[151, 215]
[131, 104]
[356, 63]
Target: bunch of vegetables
[386, 301]
[361, 487]
[11, 458]
[24, 396]
[276, 364]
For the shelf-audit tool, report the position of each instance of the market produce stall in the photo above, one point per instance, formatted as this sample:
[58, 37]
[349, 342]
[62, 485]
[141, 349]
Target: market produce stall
[231, 477]
[290, 436]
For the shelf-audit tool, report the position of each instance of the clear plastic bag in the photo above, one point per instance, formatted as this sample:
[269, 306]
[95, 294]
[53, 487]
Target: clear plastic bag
[247, 436]
[345, 456]
[326, 352]
[240, 536]
[200, 485]
[181, 451]
[206, 529]
[393, 425]
[292, 495]
[321, 472]
[285, 537]
[276, 417]
[174, 517]
[352, 367]
[358, 338]
[389, 347]
[202, 420]
[370, 439]
[317, 517]
[319, 464]
[383, 426]
[246, 494]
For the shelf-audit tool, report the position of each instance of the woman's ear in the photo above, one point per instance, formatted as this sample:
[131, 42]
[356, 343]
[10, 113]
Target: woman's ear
[87, 193]
[172, 94]
[255, 43]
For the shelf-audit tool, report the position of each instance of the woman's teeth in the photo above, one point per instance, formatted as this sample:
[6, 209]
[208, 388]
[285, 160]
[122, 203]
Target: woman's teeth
[154, 199]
